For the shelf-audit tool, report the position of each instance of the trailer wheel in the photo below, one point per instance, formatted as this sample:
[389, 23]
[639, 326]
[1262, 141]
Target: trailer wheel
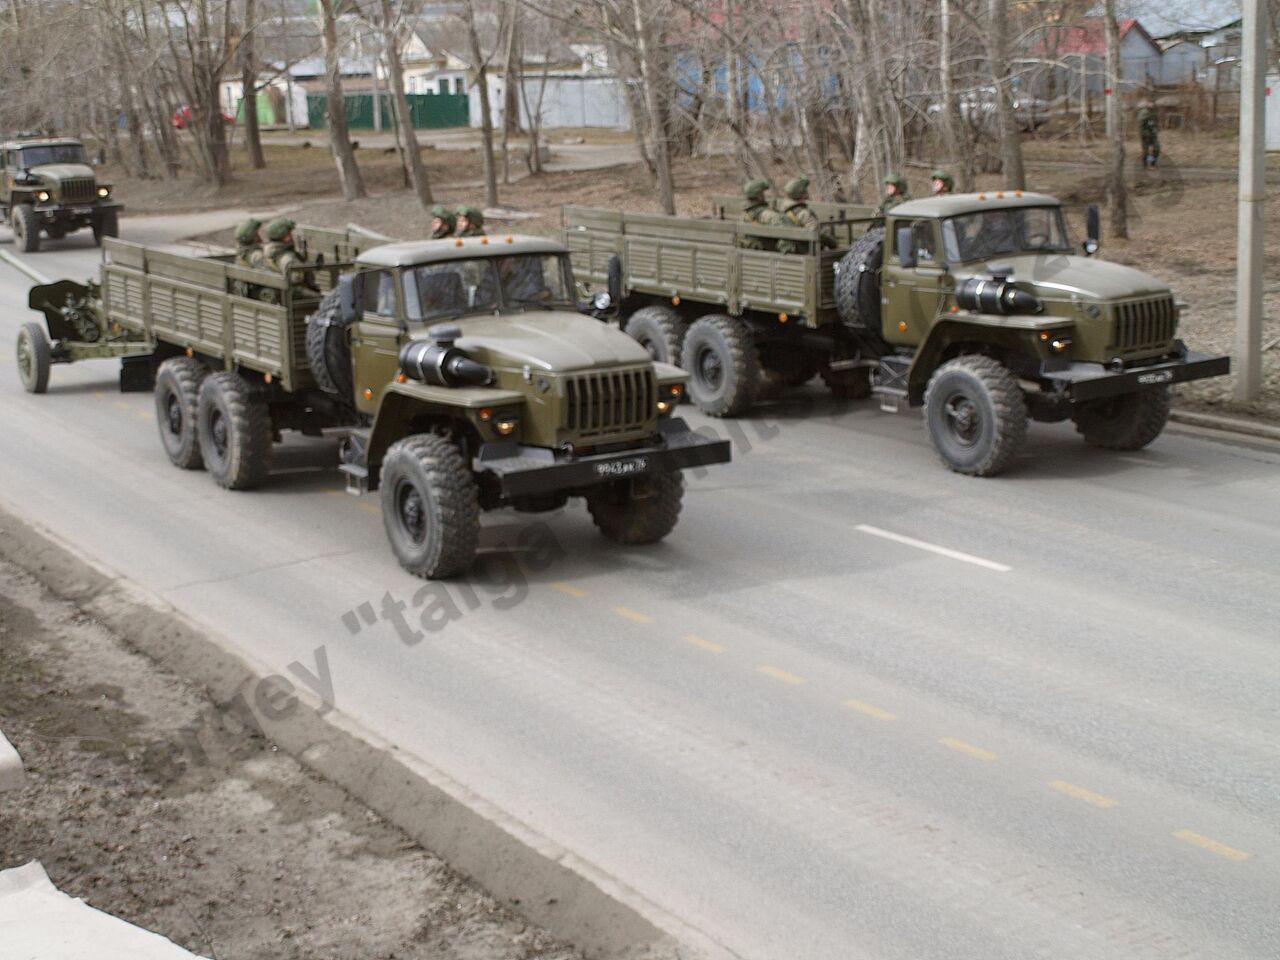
[34, 358]
[634, 512]
[329, 349]
[26, 228]
[234, 427]
[724, 365]
[106, 225]
[177, 402]
[976, 414]
[1127, 422]
[858, 282]
[430, 506]
[660, 330]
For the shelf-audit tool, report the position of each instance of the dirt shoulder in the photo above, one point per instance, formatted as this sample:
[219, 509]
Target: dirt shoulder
[233, 850]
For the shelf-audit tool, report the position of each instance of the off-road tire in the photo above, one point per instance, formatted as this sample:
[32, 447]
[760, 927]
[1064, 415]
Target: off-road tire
[858, 282]
[34, 357]
[234, 427]
[430, 506]
[630, 520]
[976, 415]
[852, 384]
[329, 349]
[177, 395]
[1127, 422]
[106, 225]
[660, 330]
[26, 228]
[723, 363]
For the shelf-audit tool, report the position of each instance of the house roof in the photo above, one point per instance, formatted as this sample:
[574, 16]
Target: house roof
[1087, 38]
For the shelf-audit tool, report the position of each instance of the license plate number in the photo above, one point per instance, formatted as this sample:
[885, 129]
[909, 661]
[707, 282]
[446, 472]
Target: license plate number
[622, 468]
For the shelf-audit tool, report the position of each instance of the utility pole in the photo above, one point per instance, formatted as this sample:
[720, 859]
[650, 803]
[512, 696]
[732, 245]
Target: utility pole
[1253, 193]
[377, 91]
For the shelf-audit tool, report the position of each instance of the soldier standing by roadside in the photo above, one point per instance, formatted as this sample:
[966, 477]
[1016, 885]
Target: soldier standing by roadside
[942, 182]
[796, 213]
[470, 222]
[758, 210]
[1149, 129]
[895, 192]
[442, 222]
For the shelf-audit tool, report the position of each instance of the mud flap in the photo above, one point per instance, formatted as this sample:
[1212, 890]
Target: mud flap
[137, 373]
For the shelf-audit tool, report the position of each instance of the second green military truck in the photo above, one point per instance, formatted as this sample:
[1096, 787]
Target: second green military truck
[977, 307]
[50, 188]
[460, 374]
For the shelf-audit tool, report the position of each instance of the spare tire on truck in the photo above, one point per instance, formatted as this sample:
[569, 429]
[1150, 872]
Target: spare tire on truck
[858, 282]
[329, 349]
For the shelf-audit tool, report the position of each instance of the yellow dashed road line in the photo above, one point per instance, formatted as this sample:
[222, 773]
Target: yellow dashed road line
[1213, 846]
[697, 641]
[869, 710]
[778, 674]
[635, 615]
[968, 748]
[570, 589]
[1080, 793]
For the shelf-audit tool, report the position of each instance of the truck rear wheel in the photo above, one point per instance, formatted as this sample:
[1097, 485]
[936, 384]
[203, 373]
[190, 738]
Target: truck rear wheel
[858, 282]
[634, 512]
[1126, 422]
[234, 426]
[329, 349]
[660, 330]
[976, 414]
[26, 228]
[34, 358]
[430, 506]
[723, 364]
[177, 402]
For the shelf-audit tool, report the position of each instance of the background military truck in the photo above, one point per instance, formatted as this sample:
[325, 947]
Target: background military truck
[974, 306]
[459, 374]
[49, 186]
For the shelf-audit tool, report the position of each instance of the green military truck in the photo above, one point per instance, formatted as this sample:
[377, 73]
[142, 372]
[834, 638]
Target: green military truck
[975, 306]
[460, 375]
[51, 188]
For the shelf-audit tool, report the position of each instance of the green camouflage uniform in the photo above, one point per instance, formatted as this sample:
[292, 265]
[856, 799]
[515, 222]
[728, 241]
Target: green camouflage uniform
[796, 213]
[758, 210]
[447, 222]
[941, 176]
[475, 222]
[279, 254]
[900, 194]
[1149, 129]
[248, 252]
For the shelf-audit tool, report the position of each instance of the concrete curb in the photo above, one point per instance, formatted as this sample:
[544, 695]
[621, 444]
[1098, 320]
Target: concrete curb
[551, 886]
[12, 774]
[1213, 421]
[17, 264]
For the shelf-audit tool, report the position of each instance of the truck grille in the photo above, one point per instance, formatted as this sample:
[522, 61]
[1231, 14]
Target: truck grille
[610, 402]
[78, 190]
[1145, 324]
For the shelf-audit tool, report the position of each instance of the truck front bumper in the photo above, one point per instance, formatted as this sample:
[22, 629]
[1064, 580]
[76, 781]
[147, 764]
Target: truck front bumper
[522, 471]
[1093, 381]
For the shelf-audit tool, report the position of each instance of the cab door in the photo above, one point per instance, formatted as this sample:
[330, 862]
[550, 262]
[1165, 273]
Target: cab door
[377, 337]
[916, 281]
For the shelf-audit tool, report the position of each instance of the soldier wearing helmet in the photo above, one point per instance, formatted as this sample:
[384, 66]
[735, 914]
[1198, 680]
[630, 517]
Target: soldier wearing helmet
[443, 222]
[279, 252]
[942, 182]
[470, 222]
[796, 213]
[895, 192]
[758, 210]
[249, 243]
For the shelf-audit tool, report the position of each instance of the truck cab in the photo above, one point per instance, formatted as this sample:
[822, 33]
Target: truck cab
[50, 187]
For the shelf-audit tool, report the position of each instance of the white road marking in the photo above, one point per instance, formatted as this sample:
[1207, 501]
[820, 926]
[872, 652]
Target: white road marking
[934, 548]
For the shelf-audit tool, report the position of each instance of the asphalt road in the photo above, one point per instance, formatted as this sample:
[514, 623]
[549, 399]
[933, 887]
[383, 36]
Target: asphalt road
[855, 707]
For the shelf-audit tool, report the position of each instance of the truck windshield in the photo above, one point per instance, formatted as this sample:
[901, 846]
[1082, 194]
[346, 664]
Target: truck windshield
[51, 153]
[484, 285]
[980, 236]
[534, 280]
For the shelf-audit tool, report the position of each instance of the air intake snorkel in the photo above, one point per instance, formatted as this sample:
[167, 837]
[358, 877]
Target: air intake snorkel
[438, 362]
[996, 294]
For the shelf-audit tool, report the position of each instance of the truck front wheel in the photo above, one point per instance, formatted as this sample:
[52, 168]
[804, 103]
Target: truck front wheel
[637, 511]
[177, 401]
[26, 228]
[724, 366]
[660, 330]
[1127, 422]
[430, 506]
[976, 414]
[234, 427]
[34, 358]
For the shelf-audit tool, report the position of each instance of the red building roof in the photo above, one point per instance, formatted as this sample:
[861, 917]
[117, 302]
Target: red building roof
[1088, 37]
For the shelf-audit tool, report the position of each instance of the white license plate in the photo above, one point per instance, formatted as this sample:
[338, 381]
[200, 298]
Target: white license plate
[622, 468]
[82, 211]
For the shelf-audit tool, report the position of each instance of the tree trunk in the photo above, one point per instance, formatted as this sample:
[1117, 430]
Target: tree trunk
[417, 172]
[509, 104]
[336, 109]
[660, 148]
[249, 88]
[481, 65]
[1117, 195]
[998, 61]
[951, 119]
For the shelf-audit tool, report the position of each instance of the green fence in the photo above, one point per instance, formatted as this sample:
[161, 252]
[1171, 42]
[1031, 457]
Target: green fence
[427, 111]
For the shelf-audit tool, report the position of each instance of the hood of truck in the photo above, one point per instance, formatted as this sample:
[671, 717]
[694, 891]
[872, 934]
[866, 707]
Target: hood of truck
[551, 341]
[63, 171]
[1060, 276]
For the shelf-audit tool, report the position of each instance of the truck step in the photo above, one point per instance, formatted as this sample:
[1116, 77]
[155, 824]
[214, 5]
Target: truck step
[357, 478]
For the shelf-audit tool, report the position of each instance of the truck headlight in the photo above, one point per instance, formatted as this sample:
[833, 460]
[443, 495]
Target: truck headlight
[104, 192]
[506, 425]
[42, 196]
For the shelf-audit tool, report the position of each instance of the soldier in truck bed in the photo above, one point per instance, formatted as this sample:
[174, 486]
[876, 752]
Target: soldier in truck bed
[758, 210]
[249, 243]
[443, 222]
[796, 213]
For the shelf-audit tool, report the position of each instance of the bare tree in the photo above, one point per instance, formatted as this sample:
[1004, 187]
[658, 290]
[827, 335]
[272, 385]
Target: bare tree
[1117, 194]
[480, 79]
[336, 109]
[249, 87]
[998, 60]
[391, 35]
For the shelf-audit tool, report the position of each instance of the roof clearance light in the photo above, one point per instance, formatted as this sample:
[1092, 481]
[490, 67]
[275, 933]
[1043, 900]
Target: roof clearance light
[510, 238]
[458, 242]
[982, 196]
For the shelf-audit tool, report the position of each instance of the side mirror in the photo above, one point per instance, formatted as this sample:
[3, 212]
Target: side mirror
[1093, 224]
[614, 286]
[903, 247]
[350, 297]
